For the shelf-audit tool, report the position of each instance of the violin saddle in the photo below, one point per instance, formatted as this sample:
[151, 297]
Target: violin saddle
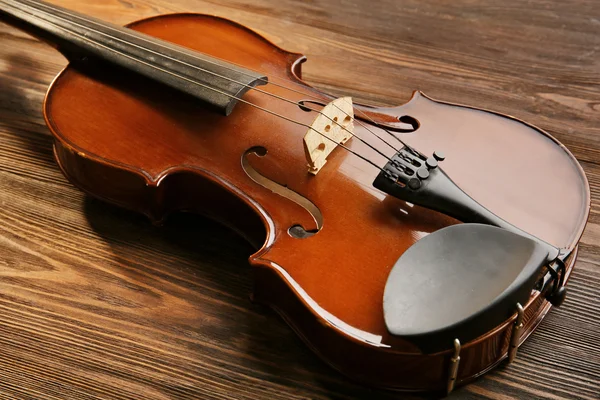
[460, 282]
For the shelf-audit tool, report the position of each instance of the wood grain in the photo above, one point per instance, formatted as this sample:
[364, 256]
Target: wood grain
[97, 303]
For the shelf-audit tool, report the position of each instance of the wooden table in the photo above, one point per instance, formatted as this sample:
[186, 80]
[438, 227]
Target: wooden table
[97, 303]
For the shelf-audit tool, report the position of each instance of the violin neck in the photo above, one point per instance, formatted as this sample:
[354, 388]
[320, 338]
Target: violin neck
[217, 83]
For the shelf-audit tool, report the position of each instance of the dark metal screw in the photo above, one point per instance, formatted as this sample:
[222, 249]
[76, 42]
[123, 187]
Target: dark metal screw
[431, 163]
[414, 183]
[439, 156]
[422, 173]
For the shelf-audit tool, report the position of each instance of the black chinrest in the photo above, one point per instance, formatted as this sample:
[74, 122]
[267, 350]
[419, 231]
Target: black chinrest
[460, 282]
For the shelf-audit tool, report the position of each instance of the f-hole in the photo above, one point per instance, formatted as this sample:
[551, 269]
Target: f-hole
[407, 119]
[297, 231]
[407, 123]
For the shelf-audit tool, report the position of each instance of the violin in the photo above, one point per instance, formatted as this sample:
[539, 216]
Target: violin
[412, 248]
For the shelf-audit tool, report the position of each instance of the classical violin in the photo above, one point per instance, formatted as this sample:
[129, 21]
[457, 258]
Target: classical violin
[411, 247]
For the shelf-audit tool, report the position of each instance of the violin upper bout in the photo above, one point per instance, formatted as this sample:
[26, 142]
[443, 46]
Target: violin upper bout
[223, 39]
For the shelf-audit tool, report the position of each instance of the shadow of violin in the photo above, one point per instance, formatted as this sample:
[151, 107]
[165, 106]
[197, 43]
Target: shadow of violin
[21, 105]
[202, 266]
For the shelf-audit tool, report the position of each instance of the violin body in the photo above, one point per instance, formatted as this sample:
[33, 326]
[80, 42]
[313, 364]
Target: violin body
[139, 145]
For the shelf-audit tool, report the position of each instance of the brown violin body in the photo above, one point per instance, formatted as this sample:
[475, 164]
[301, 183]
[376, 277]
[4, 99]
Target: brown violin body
[137, 144]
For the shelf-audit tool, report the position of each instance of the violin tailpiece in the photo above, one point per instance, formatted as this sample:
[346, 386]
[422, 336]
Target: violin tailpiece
[412, 177]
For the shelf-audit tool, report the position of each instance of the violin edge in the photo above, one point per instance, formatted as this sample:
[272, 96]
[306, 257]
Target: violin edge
[257, 261]
[333, 347]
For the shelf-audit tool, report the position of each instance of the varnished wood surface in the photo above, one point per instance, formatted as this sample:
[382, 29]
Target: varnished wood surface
[94, 300]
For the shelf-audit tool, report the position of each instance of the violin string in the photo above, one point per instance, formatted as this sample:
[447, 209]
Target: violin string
[223, 93]
[191, 54]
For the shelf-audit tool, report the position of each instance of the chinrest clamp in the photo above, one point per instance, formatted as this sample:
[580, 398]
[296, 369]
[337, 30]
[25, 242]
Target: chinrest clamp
[453, 367]
[558, 292]
[515, 334]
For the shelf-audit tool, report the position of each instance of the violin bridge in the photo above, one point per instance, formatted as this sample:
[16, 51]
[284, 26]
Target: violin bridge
[332, 127]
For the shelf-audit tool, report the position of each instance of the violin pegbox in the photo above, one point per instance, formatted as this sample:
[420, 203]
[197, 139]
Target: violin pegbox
[333, 126]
